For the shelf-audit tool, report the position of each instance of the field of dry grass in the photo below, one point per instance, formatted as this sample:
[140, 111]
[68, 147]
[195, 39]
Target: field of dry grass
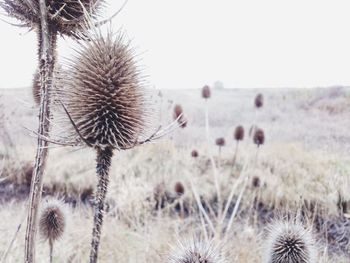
[302, 169]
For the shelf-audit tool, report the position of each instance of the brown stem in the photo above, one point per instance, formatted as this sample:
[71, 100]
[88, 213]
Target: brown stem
[46, 66]
[102, 168]
[51, 249]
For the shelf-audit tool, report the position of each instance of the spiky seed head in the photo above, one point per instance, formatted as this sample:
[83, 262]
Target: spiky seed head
[259, 137]
[196, 251]
[259, 100]
[239, 133]
[67, 17]
[179, 188]
[290, 242]
[206, 92]
[220, 142]
[104, 94]
[194, 153]
[52, 222]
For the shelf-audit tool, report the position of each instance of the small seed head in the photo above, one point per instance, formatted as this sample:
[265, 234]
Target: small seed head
[239, 133]
[259, 137]
[179, 189]
[259, 100]
[52, 221]
[194, 153]
[206, 92]
[220, 142]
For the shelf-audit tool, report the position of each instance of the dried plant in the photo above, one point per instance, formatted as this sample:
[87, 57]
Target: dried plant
[103, 96]
[52, 222]
[239, 133]
[259, 137]
[179, 189]
[179, 116]
[289, 242]
[196, 251]
[206, 92]
[194, 153]
[220, 142]
[65, 17]
[259, 101]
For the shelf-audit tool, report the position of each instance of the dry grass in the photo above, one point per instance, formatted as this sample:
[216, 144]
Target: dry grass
[294, 175]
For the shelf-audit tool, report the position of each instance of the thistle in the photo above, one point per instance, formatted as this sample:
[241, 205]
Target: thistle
[259, 137]
[194, 153]
[238, 136]
[104, 99]
[206, 92]
[65, 17]
[195, 251]
[259, 101]
[179, 116]
[52, 222]
[179, 189]
[220, 142]
[290, 242]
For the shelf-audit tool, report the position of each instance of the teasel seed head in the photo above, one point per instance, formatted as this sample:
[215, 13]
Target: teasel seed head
[256, 182]
[194, 153]
[196, 251]
[220, 142]
[239, 133]
[53, 220]
[206, 92]
[290, 242]
[104, 95]
[66, 17]
[259, 137]
[179, 116]
[179, 189]
[259, 100]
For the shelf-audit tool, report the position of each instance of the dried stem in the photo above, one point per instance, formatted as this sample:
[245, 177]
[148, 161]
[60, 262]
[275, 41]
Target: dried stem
[102, 168]
[51, 250]
[46, 67]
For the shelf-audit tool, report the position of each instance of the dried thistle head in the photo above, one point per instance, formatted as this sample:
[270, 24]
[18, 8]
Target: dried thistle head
[259, 100]
[103, 94]
[220, 142]
[290, 242]
[194, 153]
[178, 111]
[67, 17]
[259, 137]
[195, 251]
[53, 220]
[206, 92]
[179, 188]
[239, 133]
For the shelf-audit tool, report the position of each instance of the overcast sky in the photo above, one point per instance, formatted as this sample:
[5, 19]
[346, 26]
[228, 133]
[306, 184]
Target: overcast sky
[245, 43]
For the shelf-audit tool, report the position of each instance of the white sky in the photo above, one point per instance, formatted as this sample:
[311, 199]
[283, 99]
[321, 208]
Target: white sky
[245, 43]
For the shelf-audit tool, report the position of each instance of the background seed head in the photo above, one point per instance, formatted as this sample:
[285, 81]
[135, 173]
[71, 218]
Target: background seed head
[194, 153]
[239, 133]
[259, 137]
[103, 93]
[259, 100]
[290, 242]
[179, 188]
[65, 16]
[220, 141]
[52, 223]
[206, 92]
